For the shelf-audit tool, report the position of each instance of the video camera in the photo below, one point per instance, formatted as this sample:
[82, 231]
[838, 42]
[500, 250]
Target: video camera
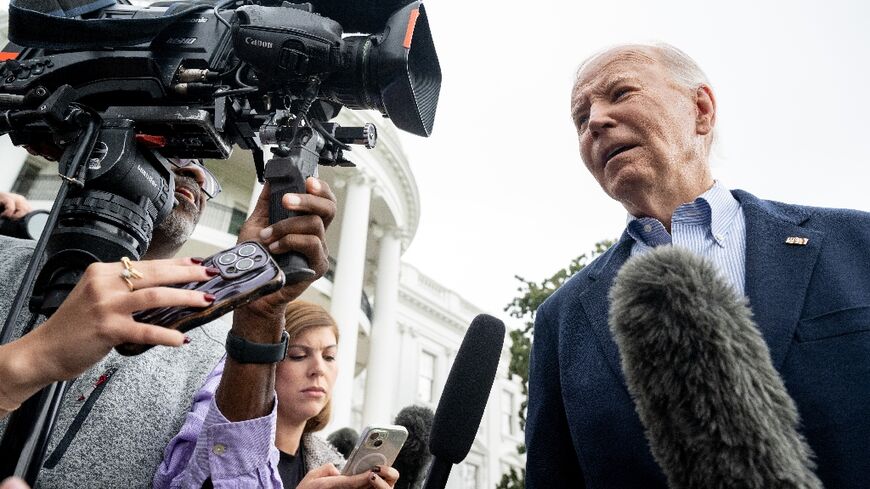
[193, 80]
[116, 93]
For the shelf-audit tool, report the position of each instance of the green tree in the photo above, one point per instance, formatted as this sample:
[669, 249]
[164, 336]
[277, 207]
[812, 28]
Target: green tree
[531, 295]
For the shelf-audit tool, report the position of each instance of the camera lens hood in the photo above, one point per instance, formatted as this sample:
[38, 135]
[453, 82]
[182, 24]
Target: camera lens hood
[409, 75]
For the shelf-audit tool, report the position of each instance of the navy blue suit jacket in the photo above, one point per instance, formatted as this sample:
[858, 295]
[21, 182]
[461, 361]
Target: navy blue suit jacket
[812, 305]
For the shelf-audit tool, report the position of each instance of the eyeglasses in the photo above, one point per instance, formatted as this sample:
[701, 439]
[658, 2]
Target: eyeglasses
[206, 179]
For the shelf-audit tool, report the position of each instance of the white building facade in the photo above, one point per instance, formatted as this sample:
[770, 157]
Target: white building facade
[400, 330]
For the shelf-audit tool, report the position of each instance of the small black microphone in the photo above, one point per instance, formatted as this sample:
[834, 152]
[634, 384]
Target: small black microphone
[464, 398]
[365, 16]
[716, 412]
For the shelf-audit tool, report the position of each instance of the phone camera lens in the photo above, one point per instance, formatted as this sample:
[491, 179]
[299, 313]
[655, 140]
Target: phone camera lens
[247, 250]
[227, 258]
[378, 443]
[374, 436]
[245, 264]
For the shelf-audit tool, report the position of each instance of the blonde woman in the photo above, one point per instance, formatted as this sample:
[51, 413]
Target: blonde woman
[278, 449]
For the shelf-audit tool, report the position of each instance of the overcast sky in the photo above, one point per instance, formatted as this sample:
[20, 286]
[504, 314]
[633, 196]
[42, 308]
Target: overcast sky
[502, 186]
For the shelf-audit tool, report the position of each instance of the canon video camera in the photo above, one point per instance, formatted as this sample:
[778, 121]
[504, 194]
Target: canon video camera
[114, 91]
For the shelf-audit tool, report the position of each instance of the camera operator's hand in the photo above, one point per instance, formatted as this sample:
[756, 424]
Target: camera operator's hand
[14, 206]
[96, 316]
[247, 390]
[305, 234]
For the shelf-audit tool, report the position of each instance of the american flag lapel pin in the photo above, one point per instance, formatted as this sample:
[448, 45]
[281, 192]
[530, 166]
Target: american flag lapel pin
[797, 241]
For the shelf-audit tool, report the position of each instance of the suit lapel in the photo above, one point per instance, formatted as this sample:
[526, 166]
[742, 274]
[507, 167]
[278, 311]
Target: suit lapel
[777, 277]
[596, 303]
[777, 273]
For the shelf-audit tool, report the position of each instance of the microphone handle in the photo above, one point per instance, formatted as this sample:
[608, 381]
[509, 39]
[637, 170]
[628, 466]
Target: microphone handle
[438, 474]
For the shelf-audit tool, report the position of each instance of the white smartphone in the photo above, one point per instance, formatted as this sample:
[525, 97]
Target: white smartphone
[377, 445]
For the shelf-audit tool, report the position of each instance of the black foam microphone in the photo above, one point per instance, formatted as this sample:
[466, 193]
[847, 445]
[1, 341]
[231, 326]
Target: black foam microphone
[464, 398]
[716, 412]
[367, 16]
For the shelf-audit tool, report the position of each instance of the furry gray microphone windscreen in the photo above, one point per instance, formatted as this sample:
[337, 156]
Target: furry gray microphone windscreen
[415, 455]
[716, 413]
[343, 440]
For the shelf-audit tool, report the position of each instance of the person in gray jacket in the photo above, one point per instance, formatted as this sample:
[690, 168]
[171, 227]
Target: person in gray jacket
[120, 412]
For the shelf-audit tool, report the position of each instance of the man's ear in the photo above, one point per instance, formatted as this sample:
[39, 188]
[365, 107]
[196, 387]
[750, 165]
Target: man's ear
[705, 102]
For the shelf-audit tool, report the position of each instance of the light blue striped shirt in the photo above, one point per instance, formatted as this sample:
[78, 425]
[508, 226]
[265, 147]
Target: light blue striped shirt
[713, 226]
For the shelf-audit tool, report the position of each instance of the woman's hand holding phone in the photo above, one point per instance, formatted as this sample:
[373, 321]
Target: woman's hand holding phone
[329, 477]
[241, 274]
[378, 446]
[98, 313]
[96, 316]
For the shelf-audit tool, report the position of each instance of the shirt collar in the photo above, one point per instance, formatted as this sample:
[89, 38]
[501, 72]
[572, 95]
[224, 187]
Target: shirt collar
[723, 208]
[715, 208]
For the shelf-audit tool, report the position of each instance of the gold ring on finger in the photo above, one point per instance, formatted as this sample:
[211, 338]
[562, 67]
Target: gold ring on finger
[129, 273]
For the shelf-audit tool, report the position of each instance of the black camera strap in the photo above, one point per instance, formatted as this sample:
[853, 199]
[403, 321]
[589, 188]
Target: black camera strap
[48, 24]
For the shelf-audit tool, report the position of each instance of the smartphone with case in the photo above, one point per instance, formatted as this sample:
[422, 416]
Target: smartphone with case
[247, 272]
[377, 445]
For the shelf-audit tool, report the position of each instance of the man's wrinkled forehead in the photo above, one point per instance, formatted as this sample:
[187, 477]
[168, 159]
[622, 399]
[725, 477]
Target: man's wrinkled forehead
[613, 63]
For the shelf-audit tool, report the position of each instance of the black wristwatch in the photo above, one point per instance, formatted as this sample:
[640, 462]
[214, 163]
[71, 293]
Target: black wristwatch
[244, 351]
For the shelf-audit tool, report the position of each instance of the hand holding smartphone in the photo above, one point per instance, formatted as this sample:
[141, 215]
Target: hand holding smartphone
[247, 272]
[377, 445]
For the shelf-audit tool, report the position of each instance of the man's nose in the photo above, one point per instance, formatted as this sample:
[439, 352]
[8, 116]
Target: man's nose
[600, 119]
[193, 171]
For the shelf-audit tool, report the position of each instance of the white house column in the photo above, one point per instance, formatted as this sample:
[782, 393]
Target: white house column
[407, 374]
[347, 293]
[383, 342]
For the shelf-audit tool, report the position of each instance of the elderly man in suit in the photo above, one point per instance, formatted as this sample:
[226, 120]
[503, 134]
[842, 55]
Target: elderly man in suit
[645, 116]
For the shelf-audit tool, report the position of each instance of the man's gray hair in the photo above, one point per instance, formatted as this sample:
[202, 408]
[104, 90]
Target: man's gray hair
[683, 68]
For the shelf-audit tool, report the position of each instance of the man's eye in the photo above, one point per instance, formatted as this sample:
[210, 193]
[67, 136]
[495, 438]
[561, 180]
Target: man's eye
[582, 120]
[329, 358]
[620, 93]
[296, 358]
